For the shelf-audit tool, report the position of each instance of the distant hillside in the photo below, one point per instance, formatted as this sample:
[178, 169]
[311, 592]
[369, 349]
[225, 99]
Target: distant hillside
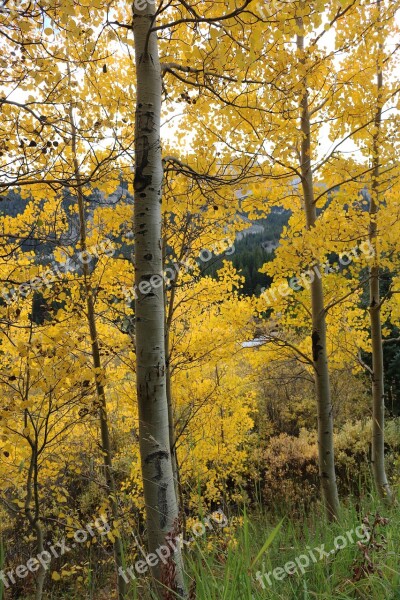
[254, 247]
[44, 243]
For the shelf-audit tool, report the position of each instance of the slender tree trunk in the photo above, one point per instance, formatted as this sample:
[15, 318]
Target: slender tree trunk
[170, 308]
[41, 575]
[319, 350]
[171, 420]
[378, 391]
[32, 489]
[32, 494]
[171, 416]
[97, 364]
[158, 481]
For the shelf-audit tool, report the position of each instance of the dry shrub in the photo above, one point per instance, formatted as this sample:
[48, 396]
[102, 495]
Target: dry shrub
[291, 463]
[291, 470]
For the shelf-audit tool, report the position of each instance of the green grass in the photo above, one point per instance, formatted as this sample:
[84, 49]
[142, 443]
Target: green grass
[231, 574]
[263, 542]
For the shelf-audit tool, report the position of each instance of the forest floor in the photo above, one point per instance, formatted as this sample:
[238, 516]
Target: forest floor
[280, 557]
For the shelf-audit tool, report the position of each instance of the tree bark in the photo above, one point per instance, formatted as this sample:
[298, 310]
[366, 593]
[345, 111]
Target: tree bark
[169, 312]
[378, 390]
[320, 357]
[32, 489]
[34, 519]
[97, 365]
[158, 482]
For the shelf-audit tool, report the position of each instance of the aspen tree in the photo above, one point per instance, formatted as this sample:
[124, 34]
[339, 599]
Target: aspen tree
[158, 482]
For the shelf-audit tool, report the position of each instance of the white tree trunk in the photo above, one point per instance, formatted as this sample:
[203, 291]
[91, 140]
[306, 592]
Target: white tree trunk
[159, 489]
[378, 391]
[320, 357]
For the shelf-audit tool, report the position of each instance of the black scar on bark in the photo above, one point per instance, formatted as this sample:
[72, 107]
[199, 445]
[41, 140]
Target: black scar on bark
[163, 504]
[142, 181]
[147, 121]
[157, 458]
[316, 347]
